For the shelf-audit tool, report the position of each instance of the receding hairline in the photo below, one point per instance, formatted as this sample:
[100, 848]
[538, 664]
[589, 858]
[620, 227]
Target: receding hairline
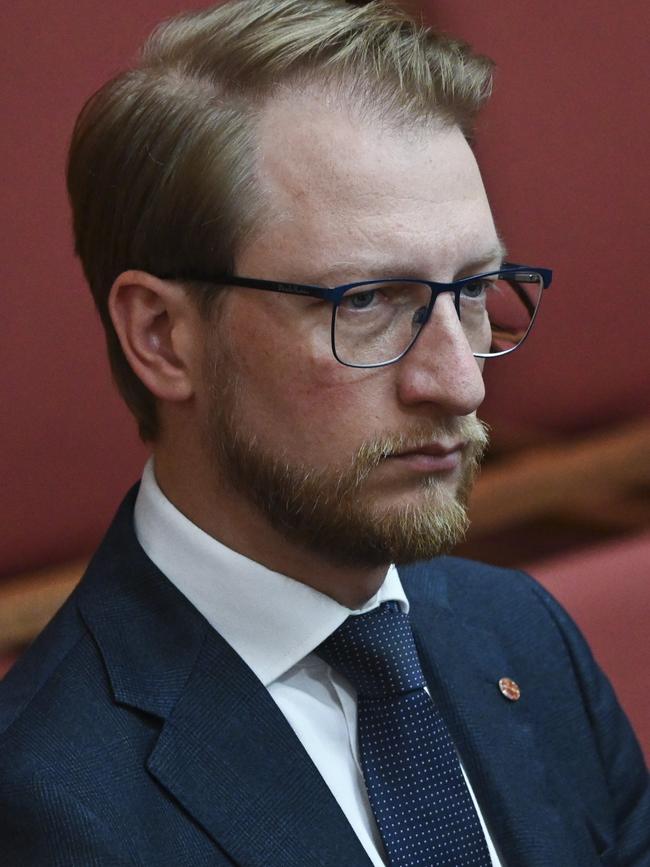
[282, 192]
[334, 96]
[357, 96]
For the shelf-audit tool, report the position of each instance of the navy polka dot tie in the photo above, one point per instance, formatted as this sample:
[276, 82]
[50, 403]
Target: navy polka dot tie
[416, 788]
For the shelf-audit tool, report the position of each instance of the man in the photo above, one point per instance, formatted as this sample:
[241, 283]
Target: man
[290, 247]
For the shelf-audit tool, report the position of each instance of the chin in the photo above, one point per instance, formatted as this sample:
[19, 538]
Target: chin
[429, 493]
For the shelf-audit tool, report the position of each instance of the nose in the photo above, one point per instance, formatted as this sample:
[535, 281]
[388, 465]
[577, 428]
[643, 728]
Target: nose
[440, 368]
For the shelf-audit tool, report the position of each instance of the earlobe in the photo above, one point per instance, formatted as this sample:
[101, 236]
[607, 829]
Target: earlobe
[151, 318]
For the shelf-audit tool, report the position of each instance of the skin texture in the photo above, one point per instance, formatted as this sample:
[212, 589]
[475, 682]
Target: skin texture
[347, 199]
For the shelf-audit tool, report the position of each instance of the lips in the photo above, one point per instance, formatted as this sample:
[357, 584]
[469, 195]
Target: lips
[438, 450]
[431, 458]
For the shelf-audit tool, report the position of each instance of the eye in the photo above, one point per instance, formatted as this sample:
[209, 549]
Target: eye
[476, 288]
[420, 315]
[360, 300]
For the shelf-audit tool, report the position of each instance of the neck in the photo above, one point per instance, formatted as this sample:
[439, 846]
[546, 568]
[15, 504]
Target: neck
[235, 522]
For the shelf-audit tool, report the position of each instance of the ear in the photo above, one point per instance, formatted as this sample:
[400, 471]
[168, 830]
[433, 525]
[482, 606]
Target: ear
[159, 329]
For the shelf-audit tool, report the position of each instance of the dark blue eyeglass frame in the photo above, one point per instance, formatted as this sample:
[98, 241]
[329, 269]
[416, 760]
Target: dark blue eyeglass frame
[335, 296]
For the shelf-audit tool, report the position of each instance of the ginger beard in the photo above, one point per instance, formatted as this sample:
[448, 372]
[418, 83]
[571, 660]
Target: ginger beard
[331, 512]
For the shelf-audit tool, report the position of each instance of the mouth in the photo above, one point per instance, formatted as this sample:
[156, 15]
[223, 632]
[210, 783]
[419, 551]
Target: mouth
[436, 457]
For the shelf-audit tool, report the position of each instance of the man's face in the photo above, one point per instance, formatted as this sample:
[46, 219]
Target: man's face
[372, 465]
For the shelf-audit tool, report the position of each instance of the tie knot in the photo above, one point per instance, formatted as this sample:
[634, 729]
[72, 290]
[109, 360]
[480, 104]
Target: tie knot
[376, 652]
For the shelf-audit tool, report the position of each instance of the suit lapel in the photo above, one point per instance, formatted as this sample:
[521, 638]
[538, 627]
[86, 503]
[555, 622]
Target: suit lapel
[225, 751]
[231, 759]
[496, 739]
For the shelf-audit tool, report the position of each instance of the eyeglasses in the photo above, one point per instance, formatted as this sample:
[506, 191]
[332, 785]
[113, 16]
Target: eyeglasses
[376, 322]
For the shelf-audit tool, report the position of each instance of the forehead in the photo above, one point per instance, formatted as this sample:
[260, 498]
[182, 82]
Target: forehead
[357, 192]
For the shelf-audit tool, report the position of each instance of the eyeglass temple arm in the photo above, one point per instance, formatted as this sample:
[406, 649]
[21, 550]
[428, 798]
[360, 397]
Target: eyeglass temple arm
[270, 286]
[330, 294]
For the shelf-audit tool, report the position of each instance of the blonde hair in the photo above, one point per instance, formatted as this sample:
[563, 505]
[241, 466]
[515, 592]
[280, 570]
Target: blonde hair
[161, 165]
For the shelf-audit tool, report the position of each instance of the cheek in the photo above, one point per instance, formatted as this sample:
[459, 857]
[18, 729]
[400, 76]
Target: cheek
[298, 396]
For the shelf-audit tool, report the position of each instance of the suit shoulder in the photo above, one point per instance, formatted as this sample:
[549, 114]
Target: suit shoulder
[468, 582]
[506, 602]
[39, 664]
[56, 694]
[479, 573]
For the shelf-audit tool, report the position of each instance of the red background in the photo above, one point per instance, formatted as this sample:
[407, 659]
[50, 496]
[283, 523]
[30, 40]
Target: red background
[562, 149]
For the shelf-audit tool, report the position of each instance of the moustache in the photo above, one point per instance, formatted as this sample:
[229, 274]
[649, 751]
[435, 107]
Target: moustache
[470, 431]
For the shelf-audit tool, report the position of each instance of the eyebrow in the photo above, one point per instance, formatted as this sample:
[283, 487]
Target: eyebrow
[334, 273]
[480, 263]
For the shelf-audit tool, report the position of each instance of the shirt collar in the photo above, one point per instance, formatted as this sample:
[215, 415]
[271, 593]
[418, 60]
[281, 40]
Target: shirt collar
[272, 621]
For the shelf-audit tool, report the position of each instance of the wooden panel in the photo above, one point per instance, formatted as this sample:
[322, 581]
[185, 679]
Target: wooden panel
[577, 477]
[28, 601]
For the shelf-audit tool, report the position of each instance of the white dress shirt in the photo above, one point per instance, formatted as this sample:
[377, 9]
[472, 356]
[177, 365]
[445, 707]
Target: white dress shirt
[274, 623]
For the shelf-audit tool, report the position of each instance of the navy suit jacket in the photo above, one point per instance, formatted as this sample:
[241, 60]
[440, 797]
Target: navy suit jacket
[132, 734]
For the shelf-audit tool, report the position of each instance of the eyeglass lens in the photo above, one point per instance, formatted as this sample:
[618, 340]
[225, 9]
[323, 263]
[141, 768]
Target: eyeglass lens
[377, 322]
